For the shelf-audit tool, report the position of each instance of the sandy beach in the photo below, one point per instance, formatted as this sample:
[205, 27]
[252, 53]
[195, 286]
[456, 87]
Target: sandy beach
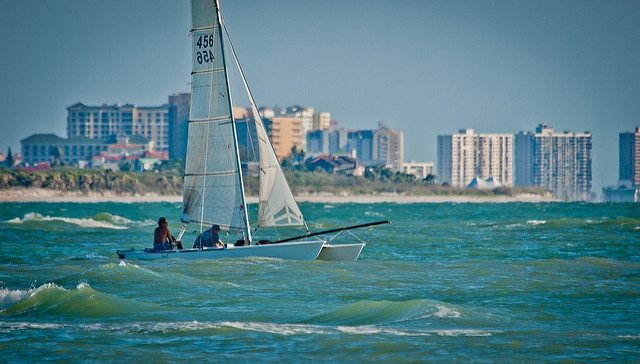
[44, 195]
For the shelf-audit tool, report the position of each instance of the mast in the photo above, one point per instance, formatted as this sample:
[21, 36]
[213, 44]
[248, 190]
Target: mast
[247, 232]
[213, 182]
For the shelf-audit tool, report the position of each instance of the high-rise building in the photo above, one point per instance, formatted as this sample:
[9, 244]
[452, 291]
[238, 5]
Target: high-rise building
[383, 146]
[466, 155]
[306, 118]
[321, 120]
[388, 147]
[360, 146]
[629, 157]
[102, 122]
[338, 141]
[318, 142]
[178, 124]
[558, 162]
[285, 133]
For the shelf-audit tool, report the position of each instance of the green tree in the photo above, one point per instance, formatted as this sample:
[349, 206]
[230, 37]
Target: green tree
[125, 167]
[9, 162]
[57, 155]
[297, 155]
[430, 179]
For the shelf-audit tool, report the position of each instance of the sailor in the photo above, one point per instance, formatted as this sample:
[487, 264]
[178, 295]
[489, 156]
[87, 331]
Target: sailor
[162, 238]
[209, 238]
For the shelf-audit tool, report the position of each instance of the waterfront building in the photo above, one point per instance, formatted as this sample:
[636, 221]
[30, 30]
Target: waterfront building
[628, 188]
[335, 164]
[179, 106]
[466, 155]
[557, 162]
[101, 122]
[286, 133]
[321, 120]
[360, 146]
[318, 142]
[306, 115]
[383, 146]
[338, 140]
[420, 170]
[39, 148]
[629, 157]
[388, 147]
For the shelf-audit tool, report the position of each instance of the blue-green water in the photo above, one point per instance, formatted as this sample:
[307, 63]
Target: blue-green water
[453, 282]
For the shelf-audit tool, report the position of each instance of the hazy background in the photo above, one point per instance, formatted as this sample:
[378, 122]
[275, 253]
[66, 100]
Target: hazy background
[425, 67]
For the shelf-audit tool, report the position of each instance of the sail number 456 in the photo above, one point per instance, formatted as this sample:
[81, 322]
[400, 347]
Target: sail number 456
[206, 55]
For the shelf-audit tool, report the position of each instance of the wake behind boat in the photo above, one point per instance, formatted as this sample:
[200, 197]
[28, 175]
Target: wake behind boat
[213, 181]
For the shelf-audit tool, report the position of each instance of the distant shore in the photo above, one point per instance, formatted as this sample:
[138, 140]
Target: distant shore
[46, 195]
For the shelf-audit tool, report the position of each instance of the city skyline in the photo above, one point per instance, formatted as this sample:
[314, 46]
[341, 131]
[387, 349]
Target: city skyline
[427, 68]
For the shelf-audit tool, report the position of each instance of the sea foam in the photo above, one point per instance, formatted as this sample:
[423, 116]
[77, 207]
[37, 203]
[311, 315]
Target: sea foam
[88, 223]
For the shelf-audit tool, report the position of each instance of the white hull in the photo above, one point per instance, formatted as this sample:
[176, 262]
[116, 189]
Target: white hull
[301, 250]
[341, 252]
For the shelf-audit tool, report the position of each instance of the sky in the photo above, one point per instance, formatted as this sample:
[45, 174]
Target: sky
[428, 67]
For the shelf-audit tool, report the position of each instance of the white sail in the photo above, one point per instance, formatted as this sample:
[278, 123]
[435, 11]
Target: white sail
[213, 191]
[277, 206]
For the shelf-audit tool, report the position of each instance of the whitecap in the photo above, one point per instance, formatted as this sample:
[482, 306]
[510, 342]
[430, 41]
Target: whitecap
[89, 223]
[9, 297]
[444, 311]
[629, 337]
[537, 222]
[282, 329]
[459, 332]
[362, 330]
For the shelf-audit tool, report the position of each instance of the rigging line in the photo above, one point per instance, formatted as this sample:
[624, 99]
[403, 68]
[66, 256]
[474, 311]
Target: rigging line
[219, 33]
[244, 81]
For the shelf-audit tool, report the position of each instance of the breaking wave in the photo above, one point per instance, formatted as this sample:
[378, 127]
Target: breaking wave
[32, 218]
[52, 299]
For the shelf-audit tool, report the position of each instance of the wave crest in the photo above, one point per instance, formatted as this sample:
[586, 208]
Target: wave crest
[31, 219]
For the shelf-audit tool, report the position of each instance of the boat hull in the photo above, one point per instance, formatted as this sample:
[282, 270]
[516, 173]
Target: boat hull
[341, 252]
[301, 250]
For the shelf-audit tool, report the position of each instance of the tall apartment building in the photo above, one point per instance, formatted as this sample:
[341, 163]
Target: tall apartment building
[360, 146]
[558, 162]
[306, 117]
[388, 147]
[466, 155]
[285, 133]
[102, 122]
[179, 106]
[375, 147]
[629, 157]
[321, 120]
[318, 142]
[332, 141]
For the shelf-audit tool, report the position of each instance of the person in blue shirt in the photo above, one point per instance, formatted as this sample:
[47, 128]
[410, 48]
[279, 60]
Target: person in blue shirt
[209, 238]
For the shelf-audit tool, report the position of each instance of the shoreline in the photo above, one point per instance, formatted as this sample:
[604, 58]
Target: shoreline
[45, 195]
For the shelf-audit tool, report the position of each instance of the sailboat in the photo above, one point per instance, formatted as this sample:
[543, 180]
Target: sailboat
[213, 180]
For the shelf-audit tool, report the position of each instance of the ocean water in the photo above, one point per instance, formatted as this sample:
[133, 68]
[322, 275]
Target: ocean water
[444, 282]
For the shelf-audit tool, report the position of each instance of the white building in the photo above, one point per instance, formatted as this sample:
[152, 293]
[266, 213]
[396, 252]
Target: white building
[102, 122]
[558, 162]
[466, 155]
[420, 170]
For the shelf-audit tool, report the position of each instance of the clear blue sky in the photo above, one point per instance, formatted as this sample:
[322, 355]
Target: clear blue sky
[425, 67]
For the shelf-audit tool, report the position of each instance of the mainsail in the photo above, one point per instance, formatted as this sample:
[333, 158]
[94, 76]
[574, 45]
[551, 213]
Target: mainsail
[213, 191]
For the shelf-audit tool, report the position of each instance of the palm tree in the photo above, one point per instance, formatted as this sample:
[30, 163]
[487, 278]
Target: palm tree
[430, 179]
